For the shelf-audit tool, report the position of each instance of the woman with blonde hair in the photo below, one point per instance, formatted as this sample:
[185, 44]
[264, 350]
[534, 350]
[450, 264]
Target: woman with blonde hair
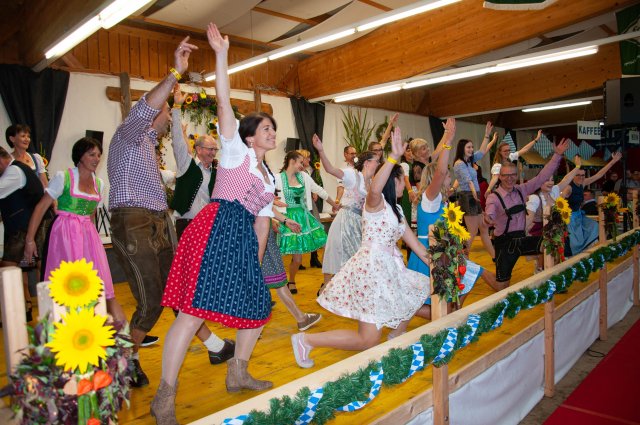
[504, 154]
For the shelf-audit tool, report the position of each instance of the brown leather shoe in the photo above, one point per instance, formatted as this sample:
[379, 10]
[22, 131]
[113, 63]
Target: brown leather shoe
[163, 406]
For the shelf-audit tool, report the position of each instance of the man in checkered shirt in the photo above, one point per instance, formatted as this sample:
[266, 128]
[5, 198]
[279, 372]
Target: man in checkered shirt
[140, 223]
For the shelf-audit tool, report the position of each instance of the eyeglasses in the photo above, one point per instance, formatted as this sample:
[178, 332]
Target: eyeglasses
[508, 175]
[376, 150]
[209, 149]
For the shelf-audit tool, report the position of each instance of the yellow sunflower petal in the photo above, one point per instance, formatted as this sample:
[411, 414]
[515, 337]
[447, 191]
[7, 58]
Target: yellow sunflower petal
[452, 214]
[562, 203]
[80, 340]
[75, 284]
[460, 232]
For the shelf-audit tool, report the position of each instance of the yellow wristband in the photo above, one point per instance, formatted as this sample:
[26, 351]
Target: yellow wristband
[175, 73]
[176, 106]
[391, 160]
[447, 147]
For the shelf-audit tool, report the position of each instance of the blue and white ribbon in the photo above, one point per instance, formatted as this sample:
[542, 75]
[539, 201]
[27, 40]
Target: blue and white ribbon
[535, 301]
[472, 321]
[551, 289]
[500, 317]
[573, 273]
[447, 346]
[376, 379]
[417, 363]
[592, 262]
[238, 420]
[521, 296]
[310, 411]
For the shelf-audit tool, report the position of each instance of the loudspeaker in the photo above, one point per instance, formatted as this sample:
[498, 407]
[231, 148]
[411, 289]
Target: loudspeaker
[292, 144]
[622, 101]
[98, 135]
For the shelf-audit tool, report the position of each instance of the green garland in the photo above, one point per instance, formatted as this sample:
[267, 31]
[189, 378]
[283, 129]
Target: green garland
[396, 363]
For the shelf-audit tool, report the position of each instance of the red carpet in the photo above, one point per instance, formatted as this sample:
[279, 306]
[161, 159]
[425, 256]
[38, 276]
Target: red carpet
[609, 394]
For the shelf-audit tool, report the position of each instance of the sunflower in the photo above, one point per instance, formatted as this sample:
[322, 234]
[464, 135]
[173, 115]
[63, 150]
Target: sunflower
[612, 200]
[562, 204]
[203, 94]
[452, 215]
[316, 165]
[188, 100]
[459, 232]
[80, 340]
[565, 214]
[75, 284]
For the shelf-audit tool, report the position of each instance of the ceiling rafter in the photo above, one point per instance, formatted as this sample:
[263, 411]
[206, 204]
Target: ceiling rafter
[311, 22]
[376, 5]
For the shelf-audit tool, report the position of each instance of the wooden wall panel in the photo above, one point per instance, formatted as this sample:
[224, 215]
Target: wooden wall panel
[114, 53]
[163, 64]
[153, 59]
[144, 57]
[134, 55]
[124, 53]
[103, 54]
[93, 53]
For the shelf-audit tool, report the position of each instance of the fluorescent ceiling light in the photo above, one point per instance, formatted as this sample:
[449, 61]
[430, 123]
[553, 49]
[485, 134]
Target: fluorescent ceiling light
[557, 105]
[405, 12]
[70, 41]
[311, 43]
[553, 57]
[367, 93]
[119, 10]
[246, 64]
[444, 78]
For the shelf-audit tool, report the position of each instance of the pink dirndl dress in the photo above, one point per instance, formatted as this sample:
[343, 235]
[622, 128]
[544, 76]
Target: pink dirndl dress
[73, 235]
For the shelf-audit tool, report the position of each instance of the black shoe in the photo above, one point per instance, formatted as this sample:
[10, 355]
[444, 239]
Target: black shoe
[302, 267]
[292, 288]
[315, 263]
[149, 340]
[273, 304]
[139, 377]
[227, 352]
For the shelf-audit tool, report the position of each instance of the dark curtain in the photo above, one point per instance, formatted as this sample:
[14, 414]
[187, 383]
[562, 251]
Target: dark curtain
[437, 130]
[36, 99]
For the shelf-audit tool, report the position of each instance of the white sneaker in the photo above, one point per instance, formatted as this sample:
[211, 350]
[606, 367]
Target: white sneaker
[301, 351]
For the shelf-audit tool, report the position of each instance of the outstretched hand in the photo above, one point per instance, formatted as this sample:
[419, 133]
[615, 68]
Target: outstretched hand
[317, 143]
[488, 129]
[178, 96]
[450, 128]
[578, 161]
[397, 145]
[538, 136]
[181, 55]
[562, 147]
[616, 156]
[218, 43]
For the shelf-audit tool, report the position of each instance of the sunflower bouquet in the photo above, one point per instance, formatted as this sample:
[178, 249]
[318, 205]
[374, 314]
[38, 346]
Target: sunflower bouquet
[610, 208]
[76, 371]
[555, 232]
[202, 108]
[446, 252]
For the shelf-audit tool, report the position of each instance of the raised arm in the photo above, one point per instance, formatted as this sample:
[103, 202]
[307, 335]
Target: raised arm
[485, 147]
[435, 186]
[529, 145]
[387, 131]
[485, 140]
[603, 171]
[179, 144]
[492, 184]
[226, 117]
[157, 97]
[328, 166]
[566, 180]
[375, 200]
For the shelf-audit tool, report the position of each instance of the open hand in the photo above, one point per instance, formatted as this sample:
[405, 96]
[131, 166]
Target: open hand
[181, 55]
[562, 147]
[397, 145]
[218, 43]
[317, 143]
[178, 96]
[488, 129]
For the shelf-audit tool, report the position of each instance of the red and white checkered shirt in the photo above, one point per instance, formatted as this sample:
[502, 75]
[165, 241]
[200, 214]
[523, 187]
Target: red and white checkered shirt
[133, 172]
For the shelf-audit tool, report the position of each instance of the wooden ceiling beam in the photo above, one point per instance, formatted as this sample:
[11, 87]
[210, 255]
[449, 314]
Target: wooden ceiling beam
[47, 21]
[433, 41]
[376, 5]
[537, 84]
[285, 16]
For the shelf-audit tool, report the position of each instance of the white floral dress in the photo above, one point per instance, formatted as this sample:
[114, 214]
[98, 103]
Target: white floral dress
[374, 286]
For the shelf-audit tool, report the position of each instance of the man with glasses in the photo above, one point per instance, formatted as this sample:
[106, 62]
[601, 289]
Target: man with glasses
[349, 153]
[506, 211]
[194, 184]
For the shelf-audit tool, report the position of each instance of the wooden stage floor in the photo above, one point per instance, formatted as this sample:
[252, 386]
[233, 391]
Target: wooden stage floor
[201, 385]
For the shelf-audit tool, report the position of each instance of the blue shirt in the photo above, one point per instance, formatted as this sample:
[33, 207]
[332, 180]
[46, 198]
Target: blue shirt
[465, 173]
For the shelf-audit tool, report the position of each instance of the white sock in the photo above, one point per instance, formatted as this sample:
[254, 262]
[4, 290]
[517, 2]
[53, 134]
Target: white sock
[135, 356]
[213, 343]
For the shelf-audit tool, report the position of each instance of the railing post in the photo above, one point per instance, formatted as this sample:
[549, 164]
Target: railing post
[602, 278]
[549, 349]
[636, 257]
[547, 258]
[440, 374]
[13, 316]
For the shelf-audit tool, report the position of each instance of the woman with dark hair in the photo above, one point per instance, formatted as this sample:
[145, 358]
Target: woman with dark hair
[297, 187]
[216, 272]
[469, 189]
[73, 235]
[345, 233]
[374, 287]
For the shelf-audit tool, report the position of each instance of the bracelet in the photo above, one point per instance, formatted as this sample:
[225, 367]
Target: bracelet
[447, 147]
[391, 160]
[284, 223]
[176, 106]
[175, 73]
[578, 167]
